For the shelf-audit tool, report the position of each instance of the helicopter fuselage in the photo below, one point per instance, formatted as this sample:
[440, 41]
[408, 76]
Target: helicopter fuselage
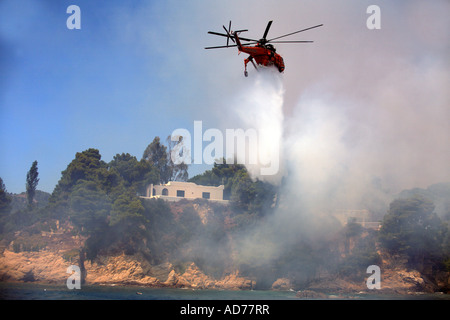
[264, 55]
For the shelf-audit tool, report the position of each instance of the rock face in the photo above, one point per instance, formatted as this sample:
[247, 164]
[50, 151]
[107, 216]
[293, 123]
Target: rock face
[194, 278]
[51, 267]
[121, 269]
[282, 284]
[336, 285]
[42, 266]
[61, 250]
[404, 281]
[399, 281]
[235, 281]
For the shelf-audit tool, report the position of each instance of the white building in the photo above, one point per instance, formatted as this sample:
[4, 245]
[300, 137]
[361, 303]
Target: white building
[176, 190]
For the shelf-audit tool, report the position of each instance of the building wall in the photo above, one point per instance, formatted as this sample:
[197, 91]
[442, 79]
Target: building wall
[176, 190]
[361, 216]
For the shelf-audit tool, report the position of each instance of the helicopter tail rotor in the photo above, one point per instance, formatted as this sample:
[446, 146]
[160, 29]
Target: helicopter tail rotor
[230, 34]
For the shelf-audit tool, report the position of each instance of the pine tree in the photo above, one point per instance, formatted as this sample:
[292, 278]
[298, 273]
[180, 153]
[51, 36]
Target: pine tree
[5, 199]
[32, 182]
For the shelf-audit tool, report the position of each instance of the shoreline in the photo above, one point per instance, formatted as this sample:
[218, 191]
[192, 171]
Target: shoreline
[50, 268]
[301, 294]
[138, 292]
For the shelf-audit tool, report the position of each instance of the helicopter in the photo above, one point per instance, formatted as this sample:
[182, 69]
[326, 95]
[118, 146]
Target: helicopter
[262, 51]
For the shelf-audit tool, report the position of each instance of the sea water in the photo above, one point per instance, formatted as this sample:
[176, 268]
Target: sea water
[31, 291]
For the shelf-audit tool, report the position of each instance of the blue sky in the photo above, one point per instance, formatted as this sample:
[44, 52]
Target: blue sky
[137, 69]
[103, 86]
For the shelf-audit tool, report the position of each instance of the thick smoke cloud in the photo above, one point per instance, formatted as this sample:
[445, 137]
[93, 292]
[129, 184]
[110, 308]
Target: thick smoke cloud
[365, 115]
[364, 107]
[359, 115]
[361, 107]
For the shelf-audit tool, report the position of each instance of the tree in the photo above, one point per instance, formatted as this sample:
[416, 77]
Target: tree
[127, 221]
[179, 172]
[136, 174]
[242, 190]
[411, 227]
[159, 156]
[89, 207]
[127, 210]
[5, 199]
[32, 182]
[156, 154]
[87, 166]
[221, 174]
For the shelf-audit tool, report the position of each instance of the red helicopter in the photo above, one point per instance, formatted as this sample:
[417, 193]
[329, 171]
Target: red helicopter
[264, 53]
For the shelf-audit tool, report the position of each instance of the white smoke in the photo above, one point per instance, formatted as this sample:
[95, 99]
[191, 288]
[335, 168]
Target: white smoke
[357, 117]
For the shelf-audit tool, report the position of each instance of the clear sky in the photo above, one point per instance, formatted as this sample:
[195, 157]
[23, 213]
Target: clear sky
[137, 69]
[108, 85]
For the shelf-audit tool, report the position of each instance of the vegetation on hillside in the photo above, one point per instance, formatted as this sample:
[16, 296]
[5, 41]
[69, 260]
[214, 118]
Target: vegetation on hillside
[101, 203]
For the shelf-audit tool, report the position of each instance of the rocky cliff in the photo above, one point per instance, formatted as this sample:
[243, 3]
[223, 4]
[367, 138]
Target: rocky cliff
[48, 266]
[51, 266]
[395, 278]
[44, 257]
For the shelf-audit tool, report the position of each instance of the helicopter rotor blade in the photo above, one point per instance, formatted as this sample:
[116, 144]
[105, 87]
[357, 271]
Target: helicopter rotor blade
[220, 47]
[228, 34]
[225, 35]
[247, 39]
[305, 41]
[267, 29]
[289, 34]
[217, 34]
[231, 46]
